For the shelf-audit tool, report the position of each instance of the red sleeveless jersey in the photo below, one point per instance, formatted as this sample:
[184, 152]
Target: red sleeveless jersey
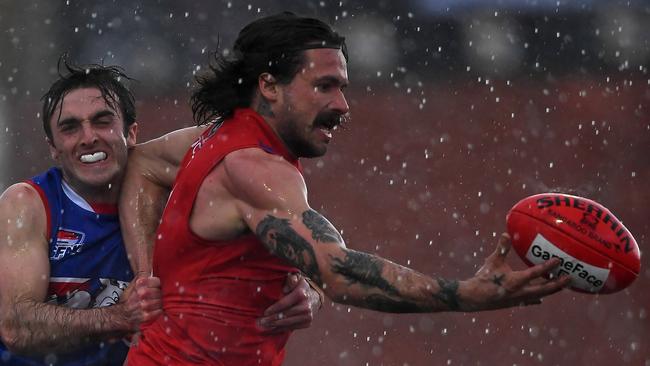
[213, 292]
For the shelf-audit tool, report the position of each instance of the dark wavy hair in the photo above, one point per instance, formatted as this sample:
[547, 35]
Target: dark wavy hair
[110, 80]
[274, 44]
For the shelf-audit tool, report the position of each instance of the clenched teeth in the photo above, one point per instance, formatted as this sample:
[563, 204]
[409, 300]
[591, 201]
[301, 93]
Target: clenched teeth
[92, 158]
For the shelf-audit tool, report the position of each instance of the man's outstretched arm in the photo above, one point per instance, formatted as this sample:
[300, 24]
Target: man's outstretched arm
[27, 324]
[272, 199]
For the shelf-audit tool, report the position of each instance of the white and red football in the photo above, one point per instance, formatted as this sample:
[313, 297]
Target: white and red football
[597, 251]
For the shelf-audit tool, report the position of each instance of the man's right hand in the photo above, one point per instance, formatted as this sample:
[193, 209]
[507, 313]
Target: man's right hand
[142, 301]
[496, 285]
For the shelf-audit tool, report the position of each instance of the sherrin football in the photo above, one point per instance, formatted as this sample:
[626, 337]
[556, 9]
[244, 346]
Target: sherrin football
[595, 248]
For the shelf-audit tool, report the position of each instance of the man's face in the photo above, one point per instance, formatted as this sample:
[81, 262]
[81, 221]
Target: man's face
[313, 104]
[88, 141]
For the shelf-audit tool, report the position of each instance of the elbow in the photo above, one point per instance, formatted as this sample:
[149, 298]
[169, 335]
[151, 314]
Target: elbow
[15, 336]
[335, 285]
[335, 289]
[341, 294]
[10, 335]
[340, 298]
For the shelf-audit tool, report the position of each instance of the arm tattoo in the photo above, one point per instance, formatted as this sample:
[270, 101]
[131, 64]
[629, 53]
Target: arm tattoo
[278, 235]
[321, 229]
[448, 293]
[366, 270]
[363, 268]
[498, 279]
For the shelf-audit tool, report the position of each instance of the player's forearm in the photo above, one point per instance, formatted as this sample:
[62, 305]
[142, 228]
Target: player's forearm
[368, 281]
[142, 201]
[30, 327]
[354, 277]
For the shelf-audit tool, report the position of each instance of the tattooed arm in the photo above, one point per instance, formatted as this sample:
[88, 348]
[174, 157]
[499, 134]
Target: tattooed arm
[27, 324]
[272, 199]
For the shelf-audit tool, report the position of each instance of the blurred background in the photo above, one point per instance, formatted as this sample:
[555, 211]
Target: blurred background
[460, 108]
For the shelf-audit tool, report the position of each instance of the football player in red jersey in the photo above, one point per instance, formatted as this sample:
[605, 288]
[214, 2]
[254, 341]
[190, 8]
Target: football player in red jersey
[240, 191]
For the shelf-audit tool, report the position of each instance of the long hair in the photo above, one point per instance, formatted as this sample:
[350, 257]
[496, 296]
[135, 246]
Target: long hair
[109, 80]
[273, 44]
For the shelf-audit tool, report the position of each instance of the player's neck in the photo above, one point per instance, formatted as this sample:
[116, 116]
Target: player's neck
[95, 195]
[271, 121]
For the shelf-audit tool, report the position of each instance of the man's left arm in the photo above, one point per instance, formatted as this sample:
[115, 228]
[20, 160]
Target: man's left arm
[150, 174]
[28, 324]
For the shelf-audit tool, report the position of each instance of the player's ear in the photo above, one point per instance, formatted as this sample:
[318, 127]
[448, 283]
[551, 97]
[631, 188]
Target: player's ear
[268, 86]
[132, 134]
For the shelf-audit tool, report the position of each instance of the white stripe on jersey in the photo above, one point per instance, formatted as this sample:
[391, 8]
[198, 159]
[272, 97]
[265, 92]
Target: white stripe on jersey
[76, 198]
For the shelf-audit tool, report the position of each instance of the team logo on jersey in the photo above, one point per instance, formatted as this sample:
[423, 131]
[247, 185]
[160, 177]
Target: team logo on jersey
[68, 242]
